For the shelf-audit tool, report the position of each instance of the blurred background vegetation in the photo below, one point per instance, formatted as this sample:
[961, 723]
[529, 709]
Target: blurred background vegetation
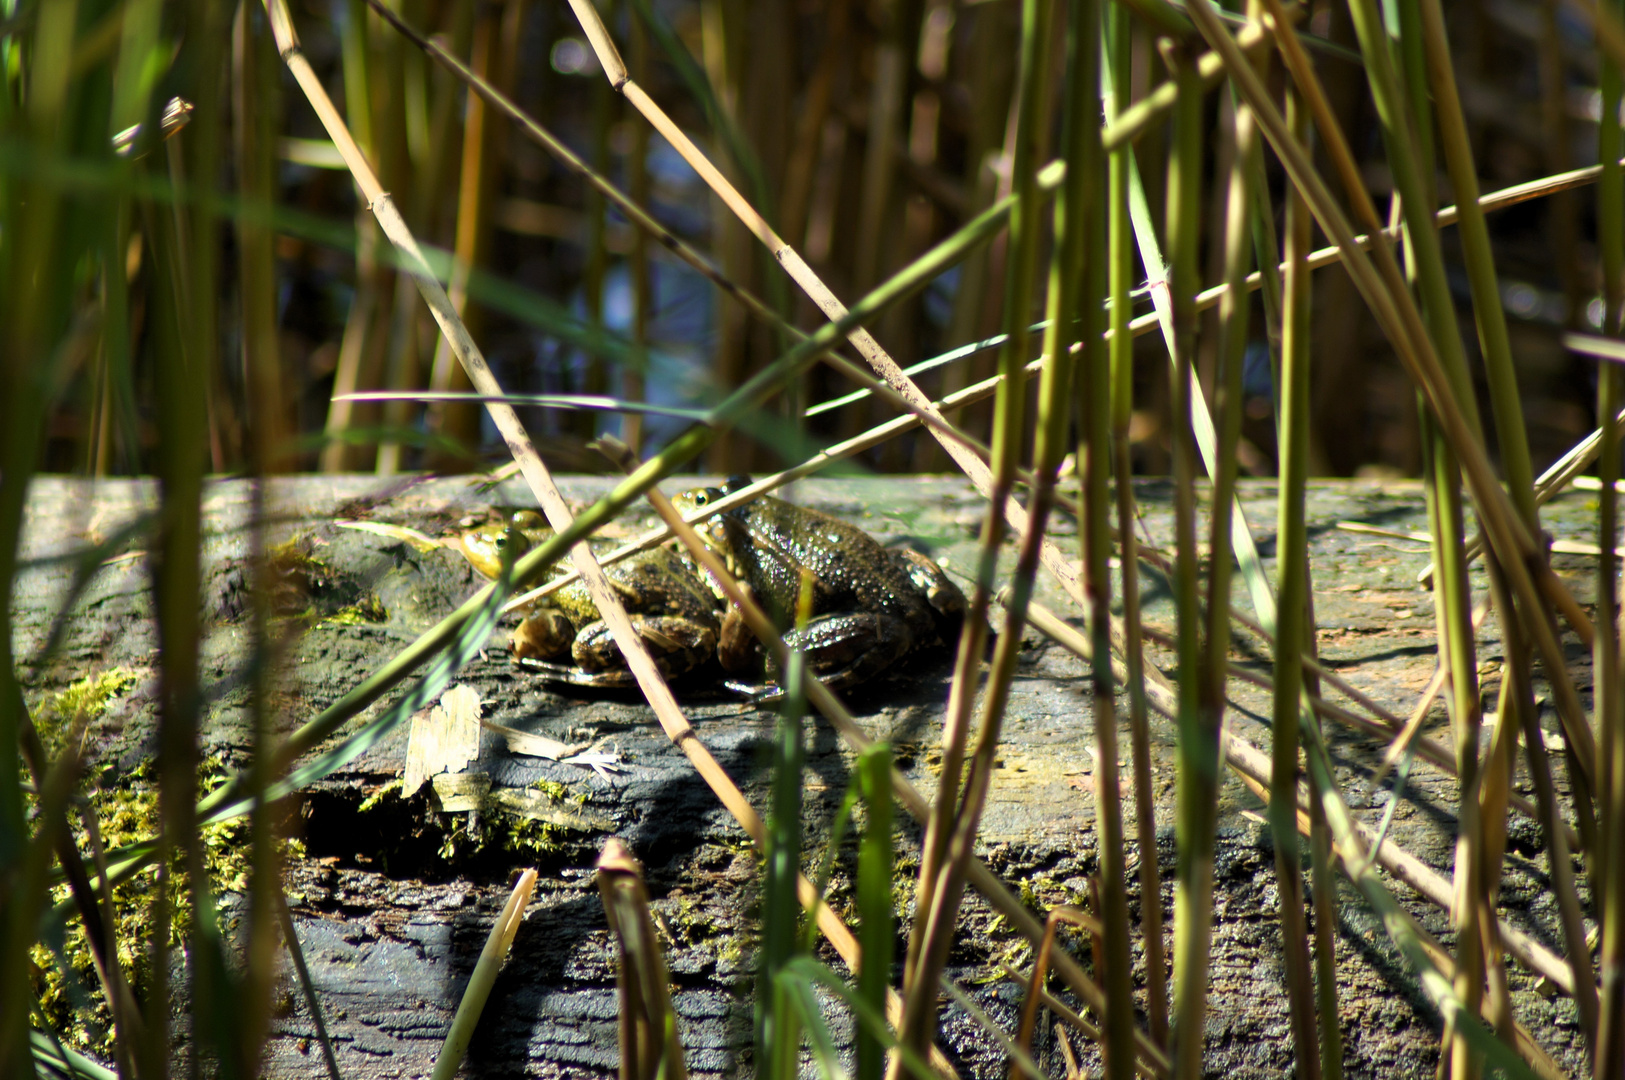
[863, 131]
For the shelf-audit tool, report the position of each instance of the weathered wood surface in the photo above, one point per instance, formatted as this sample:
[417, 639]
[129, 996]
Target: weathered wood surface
[391, 926]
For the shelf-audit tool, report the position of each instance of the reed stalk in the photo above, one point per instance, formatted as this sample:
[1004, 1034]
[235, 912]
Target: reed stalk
[1609, 881]
[185, 258]
[473, 226]
[255, 119]
[959, 803]
[359, 326]
[778, 1032]
[1198, 731]
[1116, 76]
[1082, 269]
[641, 268]
[596, 379]
[1407, 137]
[1292, 589]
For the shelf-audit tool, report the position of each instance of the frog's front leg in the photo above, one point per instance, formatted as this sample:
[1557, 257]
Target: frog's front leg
[936, 588]
[678, 644]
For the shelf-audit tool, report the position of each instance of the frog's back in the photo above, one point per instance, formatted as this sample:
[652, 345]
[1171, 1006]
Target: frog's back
[853, 568]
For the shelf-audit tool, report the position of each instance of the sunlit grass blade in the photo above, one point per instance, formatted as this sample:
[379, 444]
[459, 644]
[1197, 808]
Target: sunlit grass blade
[586, 402]
[59, 1061]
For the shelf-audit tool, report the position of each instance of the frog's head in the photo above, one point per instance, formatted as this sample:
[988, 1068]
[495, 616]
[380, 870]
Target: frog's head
[713, 532]
[487, 546]
[697, 498]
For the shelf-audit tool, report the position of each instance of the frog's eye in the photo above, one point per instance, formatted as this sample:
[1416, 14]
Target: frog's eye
[702, 498]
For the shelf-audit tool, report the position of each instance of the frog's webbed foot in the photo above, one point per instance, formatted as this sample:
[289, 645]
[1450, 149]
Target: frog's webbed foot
[678, 644]
[571, 675]
[768, 693]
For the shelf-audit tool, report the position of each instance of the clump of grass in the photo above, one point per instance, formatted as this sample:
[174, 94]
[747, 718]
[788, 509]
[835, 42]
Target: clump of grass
[71, 711]
[125, 808]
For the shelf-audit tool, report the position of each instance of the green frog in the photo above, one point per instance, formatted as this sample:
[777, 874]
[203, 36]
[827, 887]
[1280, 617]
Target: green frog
[564, 638]
[871, 605]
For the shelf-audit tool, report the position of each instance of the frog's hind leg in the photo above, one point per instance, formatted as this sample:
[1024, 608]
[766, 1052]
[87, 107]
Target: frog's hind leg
[844, 650]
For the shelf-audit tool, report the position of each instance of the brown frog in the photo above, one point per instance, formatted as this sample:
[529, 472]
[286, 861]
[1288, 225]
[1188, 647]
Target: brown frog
[564, 638]
[871, 605]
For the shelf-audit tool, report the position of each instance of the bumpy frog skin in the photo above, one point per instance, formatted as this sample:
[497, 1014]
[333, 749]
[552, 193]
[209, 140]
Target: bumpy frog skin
[670, 607]
[871, 605]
